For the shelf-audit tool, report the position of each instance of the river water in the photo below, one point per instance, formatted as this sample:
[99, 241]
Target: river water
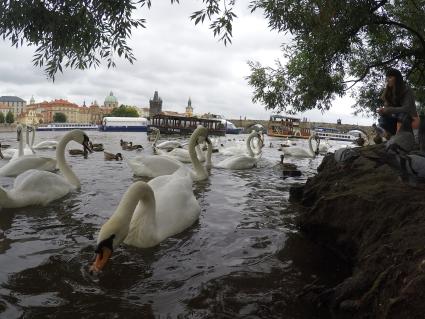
[244, 258]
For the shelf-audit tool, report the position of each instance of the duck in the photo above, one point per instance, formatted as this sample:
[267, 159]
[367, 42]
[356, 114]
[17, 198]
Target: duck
[147, 214]
[96, 147]
[299, 151]
[35, 187]
[75, 151]
[157, 165]
[112, 157]
[288, 169]
[128, 146]
[242, 161]
[25, 162]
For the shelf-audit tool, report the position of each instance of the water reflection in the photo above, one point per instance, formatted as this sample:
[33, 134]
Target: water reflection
[243, 257]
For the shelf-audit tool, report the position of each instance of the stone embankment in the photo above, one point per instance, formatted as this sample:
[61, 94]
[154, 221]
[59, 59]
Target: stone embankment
[342, 127]
[376, 222]
[4, 128]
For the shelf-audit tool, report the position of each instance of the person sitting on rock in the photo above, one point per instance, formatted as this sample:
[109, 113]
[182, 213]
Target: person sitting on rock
[398, 100]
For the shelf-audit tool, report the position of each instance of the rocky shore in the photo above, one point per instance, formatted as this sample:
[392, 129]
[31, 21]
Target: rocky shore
[376, 222]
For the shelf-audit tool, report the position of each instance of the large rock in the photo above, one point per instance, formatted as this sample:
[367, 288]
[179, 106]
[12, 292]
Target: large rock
[362, 210]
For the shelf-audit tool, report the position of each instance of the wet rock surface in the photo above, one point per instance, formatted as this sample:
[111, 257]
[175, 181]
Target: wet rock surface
[364, 212]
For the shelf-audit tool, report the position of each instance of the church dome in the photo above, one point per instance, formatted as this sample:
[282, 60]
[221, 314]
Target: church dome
[111, 99]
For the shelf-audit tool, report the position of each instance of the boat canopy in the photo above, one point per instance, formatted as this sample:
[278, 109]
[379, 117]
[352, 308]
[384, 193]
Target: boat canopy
[124, 119]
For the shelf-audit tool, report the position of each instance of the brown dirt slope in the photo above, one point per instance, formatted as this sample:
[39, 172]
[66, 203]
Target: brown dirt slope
[365, 213]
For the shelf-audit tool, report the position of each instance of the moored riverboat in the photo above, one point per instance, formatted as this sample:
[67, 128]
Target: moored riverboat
[175, 124]
[124, 124]
[286, 126]
[334, 134]
[66, 126]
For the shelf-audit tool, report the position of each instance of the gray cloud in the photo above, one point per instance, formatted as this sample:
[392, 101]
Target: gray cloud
[174, 57]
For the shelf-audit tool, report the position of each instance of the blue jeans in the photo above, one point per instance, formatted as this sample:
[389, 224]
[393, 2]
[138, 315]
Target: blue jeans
[388, 123]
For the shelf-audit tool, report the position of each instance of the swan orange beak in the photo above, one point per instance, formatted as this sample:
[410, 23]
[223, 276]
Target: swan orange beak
[101, 259]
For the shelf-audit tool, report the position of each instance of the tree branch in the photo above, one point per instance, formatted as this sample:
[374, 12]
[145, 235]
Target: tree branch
[403, 26]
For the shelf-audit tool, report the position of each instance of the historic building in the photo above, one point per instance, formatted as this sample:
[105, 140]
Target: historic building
[30, 117]
[17, 104]
[4, 108]
[111, 101]
[155, 105]
[189, 108]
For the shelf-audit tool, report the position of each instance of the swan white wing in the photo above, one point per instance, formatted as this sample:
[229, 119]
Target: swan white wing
[238, 162]
[35, 187]
[297, 151]
[176, 205]
[9, 152]
[24, 163]
[27, 151]
[153, 165]
[46, 145]
[179, 154]
[169, 145]
[176, 209]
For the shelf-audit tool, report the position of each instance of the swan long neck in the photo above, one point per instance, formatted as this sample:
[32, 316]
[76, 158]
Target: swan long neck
[21, 145]
[208, 162]
[200, 131]
[248, 143]
[33, 137]
[61, 162]
[122, 217]
[156, 136]
[310, 146]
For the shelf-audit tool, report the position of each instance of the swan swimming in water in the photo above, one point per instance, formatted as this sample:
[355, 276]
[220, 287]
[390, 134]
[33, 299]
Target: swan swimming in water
[34, 187]
[157, 165]
[300, 151]
[166, 145]
[242, 161]
[25, 162]
[147, 214]
[48, 144]
[13, 153]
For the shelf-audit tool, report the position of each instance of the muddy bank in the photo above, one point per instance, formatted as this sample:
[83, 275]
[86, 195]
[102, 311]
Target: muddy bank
[375, 222]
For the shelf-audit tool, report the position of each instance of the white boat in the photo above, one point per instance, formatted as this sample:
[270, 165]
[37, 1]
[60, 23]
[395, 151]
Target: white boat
[66, 126]
[124, 124]
[333, 134]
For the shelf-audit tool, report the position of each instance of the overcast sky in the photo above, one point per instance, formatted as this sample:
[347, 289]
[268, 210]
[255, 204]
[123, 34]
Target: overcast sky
[175, 58]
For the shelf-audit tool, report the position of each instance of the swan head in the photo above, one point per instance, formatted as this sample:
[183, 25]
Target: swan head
[19, 129]
[103, 252]
[80, 137]
[110, 237]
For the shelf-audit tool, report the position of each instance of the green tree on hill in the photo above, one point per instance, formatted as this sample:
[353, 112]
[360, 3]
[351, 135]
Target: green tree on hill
[10, 118]
[334, 47]
[124, 111]
[59, 117]
[2, 119]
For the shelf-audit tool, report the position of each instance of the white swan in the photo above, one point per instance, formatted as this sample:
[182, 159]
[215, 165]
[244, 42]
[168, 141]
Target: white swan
[147, 214]
[157, 165]
[35, 187]
[48, 144]
[182, 155]
[13, 152]
[242, 161]
[27, 150]
[23, 163]
[166, 145]
[242, 148]
[300, 151]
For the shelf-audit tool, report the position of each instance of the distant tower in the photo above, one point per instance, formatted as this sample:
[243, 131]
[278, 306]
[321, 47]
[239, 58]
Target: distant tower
[155, 105]
[189, 108]
[111, 101]
[32, 101]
